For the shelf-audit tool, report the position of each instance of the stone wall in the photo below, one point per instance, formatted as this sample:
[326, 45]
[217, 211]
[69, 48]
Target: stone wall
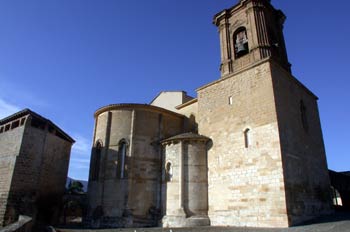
[190, 111]
[10, 143]
[246, 185]
[135, 199]
[107, 193]
[40, 174]
[25, 181]
[54, 166]
[36, 172]
[304, 161]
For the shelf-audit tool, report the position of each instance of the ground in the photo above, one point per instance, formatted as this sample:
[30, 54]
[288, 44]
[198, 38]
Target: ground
[340, 222]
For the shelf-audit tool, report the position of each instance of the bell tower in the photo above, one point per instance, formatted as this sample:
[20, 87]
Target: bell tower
[267, 163]
[251, 31]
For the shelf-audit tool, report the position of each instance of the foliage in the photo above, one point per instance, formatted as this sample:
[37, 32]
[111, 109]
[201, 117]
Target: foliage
[75, 187]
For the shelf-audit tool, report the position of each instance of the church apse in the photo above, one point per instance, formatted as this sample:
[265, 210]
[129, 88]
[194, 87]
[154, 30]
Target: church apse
[127, 190]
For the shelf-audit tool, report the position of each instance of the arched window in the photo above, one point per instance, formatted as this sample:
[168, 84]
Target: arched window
[95, 167]
[303, 115]
[247, 138]
[240, 40]
[121, 172]
[168, 172]
[336, 197]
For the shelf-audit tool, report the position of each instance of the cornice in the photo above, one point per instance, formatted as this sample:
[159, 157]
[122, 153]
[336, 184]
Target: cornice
[190, 102]
[133, 106]
[185, 137]
[27, 111]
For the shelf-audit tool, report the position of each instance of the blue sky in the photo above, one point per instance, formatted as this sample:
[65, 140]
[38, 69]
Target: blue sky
[66, 58]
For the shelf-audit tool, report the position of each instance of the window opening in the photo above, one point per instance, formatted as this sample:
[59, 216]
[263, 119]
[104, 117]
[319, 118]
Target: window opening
[241, 42]
[336, 197]
[230, 100]
[168, 172]
[121, 172]
[15, 124]
[247, 138]
[96, 161]
[23, 121]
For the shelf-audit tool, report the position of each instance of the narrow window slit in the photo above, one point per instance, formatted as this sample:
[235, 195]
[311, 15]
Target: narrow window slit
[247, 138]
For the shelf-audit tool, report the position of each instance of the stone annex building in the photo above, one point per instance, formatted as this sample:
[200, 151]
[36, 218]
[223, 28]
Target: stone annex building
[247, 151]
[34, 158]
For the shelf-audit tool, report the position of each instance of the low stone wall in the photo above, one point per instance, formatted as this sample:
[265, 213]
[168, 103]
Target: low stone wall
[24, 224]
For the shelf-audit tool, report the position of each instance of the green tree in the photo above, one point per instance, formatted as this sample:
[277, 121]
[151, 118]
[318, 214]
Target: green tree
[75, 187]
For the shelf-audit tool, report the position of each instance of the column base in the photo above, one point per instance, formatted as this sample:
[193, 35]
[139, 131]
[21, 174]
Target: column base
[183, 221]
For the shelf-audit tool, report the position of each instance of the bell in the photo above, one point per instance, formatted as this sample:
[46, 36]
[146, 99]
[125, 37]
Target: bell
[242, 47]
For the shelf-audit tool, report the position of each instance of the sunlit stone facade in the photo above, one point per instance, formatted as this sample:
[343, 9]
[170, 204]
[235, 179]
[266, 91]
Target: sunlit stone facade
[247, 151]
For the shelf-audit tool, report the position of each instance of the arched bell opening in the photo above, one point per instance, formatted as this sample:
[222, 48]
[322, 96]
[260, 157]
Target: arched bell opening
[240, 40]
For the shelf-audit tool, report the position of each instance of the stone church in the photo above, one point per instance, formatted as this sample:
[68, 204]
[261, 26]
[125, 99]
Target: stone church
[247, 151]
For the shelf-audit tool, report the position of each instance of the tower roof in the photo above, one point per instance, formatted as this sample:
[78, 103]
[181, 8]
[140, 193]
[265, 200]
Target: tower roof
[186, 136]
[27, 111]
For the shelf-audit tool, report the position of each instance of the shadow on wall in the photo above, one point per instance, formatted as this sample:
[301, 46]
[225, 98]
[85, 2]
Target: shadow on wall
[111, 178]
[73, 210]
[43, 210]
[340, 182]
[191, 125]
[24, 224]
[340, 188]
